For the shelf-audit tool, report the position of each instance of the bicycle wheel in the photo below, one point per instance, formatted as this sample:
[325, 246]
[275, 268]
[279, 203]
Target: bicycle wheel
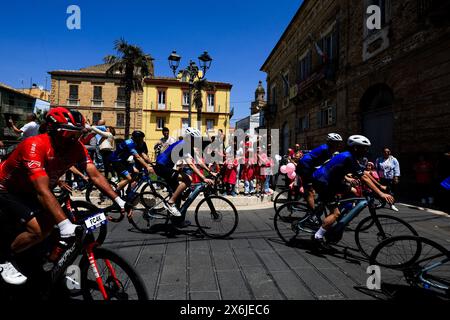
[81, 210]
[424, 263]
[158, 187]
[153, 213]
[216, 217]
[368, 233]
[120, 280]
[97, 198]
[286, 196]
[287, 219]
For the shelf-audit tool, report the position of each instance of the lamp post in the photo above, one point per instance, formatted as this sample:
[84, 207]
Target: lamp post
[191, 72]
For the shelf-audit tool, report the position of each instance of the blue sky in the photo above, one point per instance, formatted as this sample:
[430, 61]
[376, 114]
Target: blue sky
[238, 34]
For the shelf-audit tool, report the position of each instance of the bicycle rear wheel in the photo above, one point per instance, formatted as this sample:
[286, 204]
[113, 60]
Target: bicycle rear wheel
[216, 217]
[369, 233]
[154, 213]
[120, 279]
[158, 187]
[287, 219]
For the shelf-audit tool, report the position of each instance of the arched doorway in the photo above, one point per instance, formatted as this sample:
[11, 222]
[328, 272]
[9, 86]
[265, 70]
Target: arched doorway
[285, 138]
[378, 117]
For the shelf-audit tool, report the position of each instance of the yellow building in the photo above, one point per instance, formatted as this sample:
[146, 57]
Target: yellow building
[166, 104]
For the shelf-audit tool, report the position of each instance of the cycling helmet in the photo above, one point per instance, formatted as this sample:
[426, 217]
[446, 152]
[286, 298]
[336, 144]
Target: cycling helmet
[193, 132]
[358, 140]
[334, 137]
[60, 119]
[137, 134]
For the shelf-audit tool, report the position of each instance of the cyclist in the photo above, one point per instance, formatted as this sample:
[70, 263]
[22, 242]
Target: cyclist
[315, 158]
[179, 180]
[332, 178]
[135, 148]
[31, 172]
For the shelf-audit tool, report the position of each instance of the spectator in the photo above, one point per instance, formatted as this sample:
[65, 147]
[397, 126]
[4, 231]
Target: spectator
[230, 175]
[101, 125]
[388, 169]
[424, 178]
[30, 129]
[106, 147]
[164, 142]
[444, 178]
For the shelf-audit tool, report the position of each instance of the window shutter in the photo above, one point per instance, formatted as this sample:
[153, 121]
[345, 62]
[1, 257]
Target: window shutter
[333, 114]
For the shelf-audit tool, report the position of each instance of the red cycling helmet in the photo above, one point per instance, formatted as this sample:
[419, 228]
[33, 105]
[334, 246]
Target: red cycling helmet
[60, 119]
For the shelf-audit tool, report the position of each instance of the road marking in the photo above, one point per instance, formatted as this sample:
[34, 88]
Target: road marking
[437, 212]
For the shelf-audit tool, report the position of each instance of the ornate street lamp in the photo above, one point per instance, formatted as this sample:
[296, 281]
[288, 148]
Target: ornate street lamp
[191, 72]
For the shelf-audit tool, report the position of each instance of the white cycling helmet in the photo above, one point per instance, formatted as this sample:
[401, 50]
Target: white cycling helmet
[358, 140]
[334, 137]
[193, 132]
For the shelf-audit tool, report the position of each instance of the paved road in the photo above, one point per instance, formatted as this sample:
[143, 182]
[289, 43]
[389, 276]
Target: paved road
[254, 264]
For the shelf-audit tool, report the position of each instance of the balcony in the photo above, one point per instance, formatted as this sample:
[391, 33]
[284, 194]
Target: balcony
[73, 102]
[97, 102]
[321, 78]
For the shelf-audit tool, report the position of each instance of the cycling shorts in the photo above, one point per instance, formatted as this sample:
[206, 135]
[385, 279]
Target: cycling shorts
[168, 174]
[23, 207]
[327, 193]
[122, 168]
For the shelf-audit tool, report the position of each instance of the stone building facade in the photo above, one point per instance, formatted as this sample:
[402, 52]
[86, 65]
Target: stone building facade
[336, 75]
[97, 96]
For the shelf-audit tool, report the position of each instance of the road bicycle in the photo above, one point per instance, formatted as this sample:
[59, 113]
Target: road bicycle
[294, 218]
[424, 263]
[142, 183]
[215, 216]
[100, 274]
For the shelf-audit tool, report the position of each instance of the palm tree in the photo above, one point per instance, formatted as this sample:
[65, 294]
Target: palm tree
[134, 65]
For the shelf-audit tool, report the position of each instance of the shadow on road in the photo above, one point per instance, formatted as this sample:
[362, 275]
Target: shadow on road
[399, 292]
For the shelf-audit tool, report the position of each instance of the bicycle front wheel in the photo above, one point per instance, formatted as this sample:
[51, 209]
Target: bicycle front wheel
[216, 217]
[120, 280]
[370, 232]
[154, 213]
[424, 263]
[82, 210]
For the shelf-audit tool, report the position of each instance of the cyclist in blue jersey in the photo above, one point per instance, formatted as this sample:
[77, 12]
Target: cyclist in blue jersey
[332, 178]
[119, 158]
[315, 158]
[179, 180]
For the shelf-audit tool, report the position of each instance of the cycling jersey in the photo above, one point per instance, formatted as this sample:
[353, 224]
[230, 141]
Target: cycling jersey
[313, 159]
[331, 174]
[124, 150]
[165, 158]
[36, 157]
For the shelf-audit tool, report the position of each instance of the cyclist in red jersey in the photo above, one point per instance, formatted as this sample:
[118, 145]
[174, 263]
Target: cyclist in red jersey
[31, 172]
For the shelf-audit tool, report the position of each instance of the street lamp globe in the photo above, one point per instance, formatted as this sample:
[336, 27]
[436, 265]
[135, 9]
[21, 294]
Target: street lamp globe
[174, 61]
[205, 61]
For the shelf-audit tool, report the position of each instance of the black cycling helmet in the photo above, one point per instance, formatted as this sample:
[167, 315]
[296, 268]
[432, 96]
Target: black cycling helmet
[137, 134]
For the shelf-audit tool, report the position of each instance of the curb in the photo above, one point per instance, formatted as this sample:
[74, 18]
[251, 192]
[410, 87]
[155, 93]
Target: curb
[437, 212]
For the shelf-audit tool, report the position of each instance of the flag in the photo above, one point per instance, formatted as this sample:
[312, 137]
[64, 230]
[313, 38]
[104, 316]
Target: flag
[321, 53]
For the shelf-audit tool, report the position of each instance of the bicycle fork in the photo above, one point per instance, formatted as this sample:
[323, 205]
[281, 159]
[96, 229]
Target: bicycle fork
[95, 271]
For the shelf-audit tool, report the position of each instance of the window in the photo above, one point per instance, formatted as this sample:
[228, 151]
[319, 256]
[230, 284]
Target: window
[160, 123]
[273, 94]
[303, 123]
[97, 96]
[186, 99]
[120, 121]
[120, 101]
[326, 116]
[210, 125]
[161, 99]
[73, 95]
[305, 66]
[328, 45]
[184, 124]
[95, 117]
[210, 102]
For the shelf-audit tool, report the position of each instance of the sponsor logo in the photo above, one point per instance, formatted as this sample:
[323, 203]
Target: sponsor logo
[33, 164]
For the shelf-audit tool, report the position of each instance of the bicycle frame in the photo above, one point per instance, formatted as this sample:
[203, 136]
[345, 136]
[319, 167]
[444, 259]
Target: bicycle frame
[433, 266]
